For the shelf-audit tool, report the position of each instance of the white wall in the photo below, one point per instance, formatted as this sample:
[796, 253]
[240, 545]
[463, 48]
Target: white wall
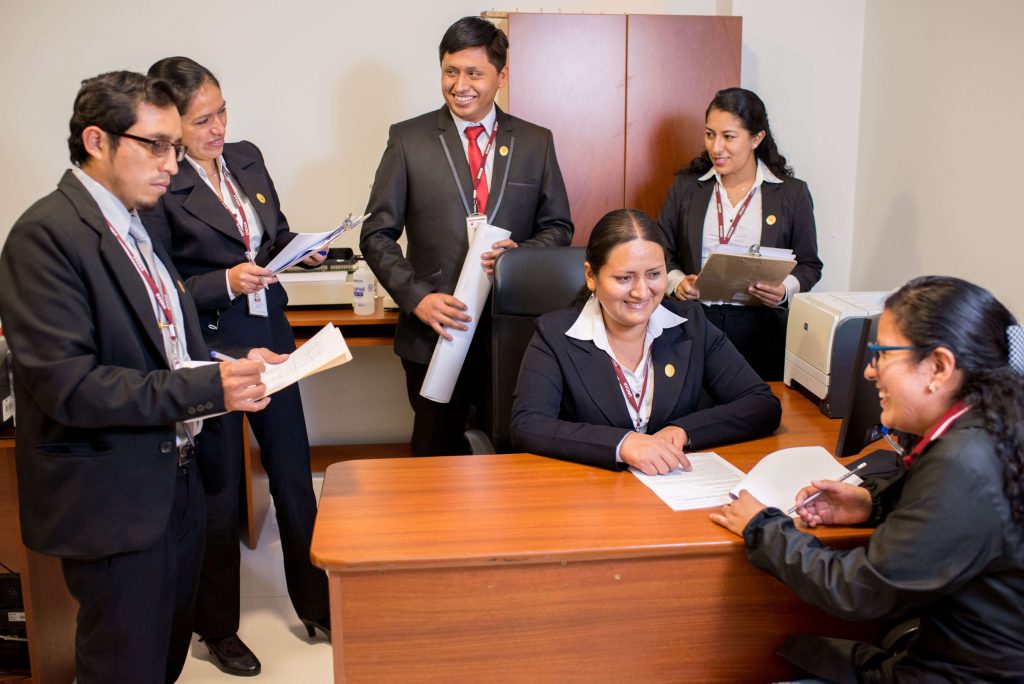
[939, 173]
[316, 84]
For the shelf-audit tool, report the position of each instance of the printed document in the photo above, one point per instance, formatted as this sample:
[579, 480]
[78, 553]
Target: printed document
[706, 486]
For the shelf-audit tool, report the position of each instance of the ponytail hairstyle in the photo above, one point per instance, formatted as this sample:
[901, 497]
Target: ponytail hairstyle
[941, 311]
[749, 109]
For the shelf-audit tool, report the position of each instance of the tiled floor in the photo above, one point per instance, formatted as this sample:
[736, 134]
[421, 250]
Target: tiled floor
[269, 626]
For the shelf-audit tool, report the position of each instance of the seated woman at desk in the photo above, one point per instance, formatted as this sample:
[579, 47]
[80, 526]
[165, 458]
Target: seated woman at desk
[949, 542]
[221, 219]
[616, 380]
[741, 191]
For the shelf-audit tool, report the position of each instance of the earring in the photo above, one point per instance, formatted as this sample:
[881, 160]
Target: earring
[933, 387]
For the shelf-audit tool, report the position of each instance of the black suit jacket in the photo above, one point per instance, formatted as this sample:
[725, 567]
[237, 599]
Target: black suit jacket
[569, 404]
[682, 221]
[204, 241]
[415, 190]
[97, 402]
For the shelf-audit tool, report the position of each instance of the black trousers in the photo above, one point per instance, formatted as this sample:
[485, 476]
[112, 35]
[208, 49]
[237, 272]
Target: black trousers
[280, 430]
[757, 332]
[438, 429]
[135, 609]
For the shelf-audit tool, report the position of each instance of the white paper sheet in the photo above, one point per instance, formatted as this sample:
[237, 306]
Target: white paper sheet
[472, 289]
[706, 486]
[324, 350]
[777, 477]
[304, 244]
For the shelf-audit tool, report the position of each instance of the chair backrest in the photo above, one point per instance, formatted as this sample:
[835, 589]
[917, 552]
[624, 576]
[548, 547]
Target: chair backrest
[528, 282]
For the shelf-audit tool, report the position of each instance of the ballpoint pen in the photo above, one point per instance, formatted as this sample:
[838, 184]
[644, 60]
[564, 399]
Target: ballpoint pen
[217, 356]
[887, 434]
[818, 493]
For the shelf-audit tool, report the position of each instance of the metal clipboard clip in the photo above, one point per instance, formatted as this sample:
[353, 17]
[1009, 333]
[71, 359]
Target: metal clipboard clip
[754, 251]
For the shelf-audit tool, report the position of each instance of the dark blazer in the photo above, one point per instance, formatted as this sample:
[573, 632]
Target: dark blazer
[97, 402]
[204, 240]
[568, 402]
[682, 221]
[416, 190]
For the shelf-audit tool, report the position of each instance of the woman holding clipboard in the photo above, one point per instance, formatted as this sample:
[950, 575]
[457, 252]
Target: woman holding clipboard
[740, 191]
[221, 219]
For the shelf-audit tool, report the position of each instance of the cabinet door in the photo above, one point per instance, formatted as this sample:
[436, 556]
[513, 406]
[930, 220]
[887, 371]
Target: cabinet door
[675, 65]
[568, 73]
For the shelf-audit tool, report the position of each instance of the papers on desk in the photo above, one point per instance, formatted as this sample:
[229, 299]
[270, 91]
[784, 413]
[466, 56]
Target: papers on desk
[706, 486]
[304, 244]
[730, 270]
[777, 477]
[324, 350]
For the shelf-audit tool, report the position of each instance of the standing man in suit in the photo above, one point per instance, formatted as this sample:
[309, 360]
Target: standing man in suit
[102, 332]
[428, 182]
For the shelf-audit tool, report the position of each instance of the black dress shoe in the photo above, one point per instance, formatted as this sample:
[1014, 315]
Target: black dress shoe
[312, 625]
[232, 656]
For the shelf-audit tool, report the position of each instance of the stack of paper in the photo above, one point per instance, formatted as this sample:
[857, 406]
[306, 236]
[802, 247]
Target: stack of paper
[304, 244]
[706, 486]
[324, 350]
[730, 270]
[777, 477]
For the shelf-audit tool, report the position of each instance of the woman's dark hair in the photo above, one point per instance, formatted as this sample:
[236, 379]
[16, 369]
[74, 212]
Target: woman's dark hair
[186, 75]
[617, 228]
[940, 311]
[471, 32]
[110, 101]
[749, 109]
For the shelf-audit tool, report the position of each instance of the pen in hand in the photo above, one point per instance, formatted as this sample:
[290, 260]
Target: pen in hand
[217, 356]
[818, 493]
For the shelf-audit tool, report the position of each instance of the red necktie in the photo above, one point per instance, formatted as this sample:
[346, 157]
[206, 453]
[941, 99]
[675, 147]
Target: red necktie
[475, 160]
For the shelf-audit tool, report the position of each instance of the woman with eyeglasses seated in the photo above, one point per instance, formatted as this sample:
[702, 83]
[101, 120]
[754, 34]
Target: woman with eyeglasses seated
[222, 221]
[949, 541]
[741, 191]
[616, 381]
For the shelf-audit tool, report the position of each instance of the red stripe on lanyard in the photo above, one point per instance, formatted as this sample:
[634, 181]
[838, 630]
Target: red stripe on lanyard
[936, 431]
[628, 391]
[159, 293]
[483, 160]
[723, 238]
[243, 225]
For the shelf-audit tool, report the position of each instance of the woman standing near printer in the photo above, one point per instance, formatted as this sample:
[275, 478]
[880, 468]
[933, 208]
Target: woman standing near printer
[222, 222]
[761, 203]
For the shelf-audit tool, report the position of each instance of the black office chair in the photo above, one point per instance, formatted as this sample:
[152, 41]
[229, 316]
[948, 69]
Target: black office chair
[528, 282]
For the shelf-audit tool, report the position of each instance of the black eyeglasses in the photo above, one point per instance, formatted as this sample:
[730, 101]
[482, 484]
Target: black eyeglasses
[875, 350]
[160, 148]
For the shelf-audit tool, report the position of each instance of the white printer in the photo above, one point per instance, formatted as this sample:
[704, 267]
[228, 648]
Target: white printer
[822, 335]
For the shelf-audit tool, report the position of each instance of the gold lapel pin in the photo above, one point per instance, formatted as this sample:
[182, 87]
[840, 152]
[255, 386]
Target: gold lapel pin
[670, 370]
[263, 200]
[503, 150]
[770, 220]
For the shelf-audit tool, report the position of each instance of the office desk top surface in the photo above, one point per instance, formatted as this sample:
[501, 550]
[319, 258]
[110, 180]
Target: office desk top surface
[509, 509]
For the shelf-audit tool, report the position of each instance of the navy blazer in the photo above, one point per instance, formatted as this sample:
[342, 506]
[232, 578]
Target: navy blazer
[97, 401]
[569, 404]
[204, 242]
[423, 187]
[789, 202]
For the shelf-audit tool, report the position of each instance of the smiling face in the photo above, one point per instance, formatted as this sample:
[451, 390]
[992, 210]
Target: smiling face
[730, 145]
[469, 83]
[630, 285]
[902, 382]
[205, 124]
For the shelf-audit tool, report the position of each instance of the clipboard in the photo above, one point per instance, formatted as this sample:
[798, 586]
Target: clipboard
[726, 275]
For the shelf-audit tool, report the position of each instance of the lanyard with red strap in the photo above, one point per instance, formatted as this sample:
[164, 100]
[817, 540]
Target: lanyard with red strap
[483, 161]
[936, 431]
[243, 224]
[158, 291]
[723, 237]
[635, 401]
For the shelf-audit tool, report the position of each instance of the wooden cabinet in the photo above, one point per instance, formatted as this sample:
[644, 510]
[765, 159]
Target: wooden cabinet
[624, 96]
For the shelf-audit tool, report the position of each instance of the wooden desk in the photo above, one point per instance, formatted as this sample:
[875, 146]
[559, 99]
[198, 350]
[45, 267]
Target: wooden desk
[49, 609]
[521, 568]
[359, 331]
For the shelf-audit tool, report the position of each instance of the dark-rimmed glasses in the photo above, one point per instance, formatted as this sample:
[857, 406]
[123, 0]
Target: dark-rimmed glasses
[160, 148]
[875, 350]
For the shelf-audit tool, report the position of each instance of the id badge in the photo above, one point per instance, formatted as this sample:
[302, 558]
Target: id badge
[474, 221]
[258, 303]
